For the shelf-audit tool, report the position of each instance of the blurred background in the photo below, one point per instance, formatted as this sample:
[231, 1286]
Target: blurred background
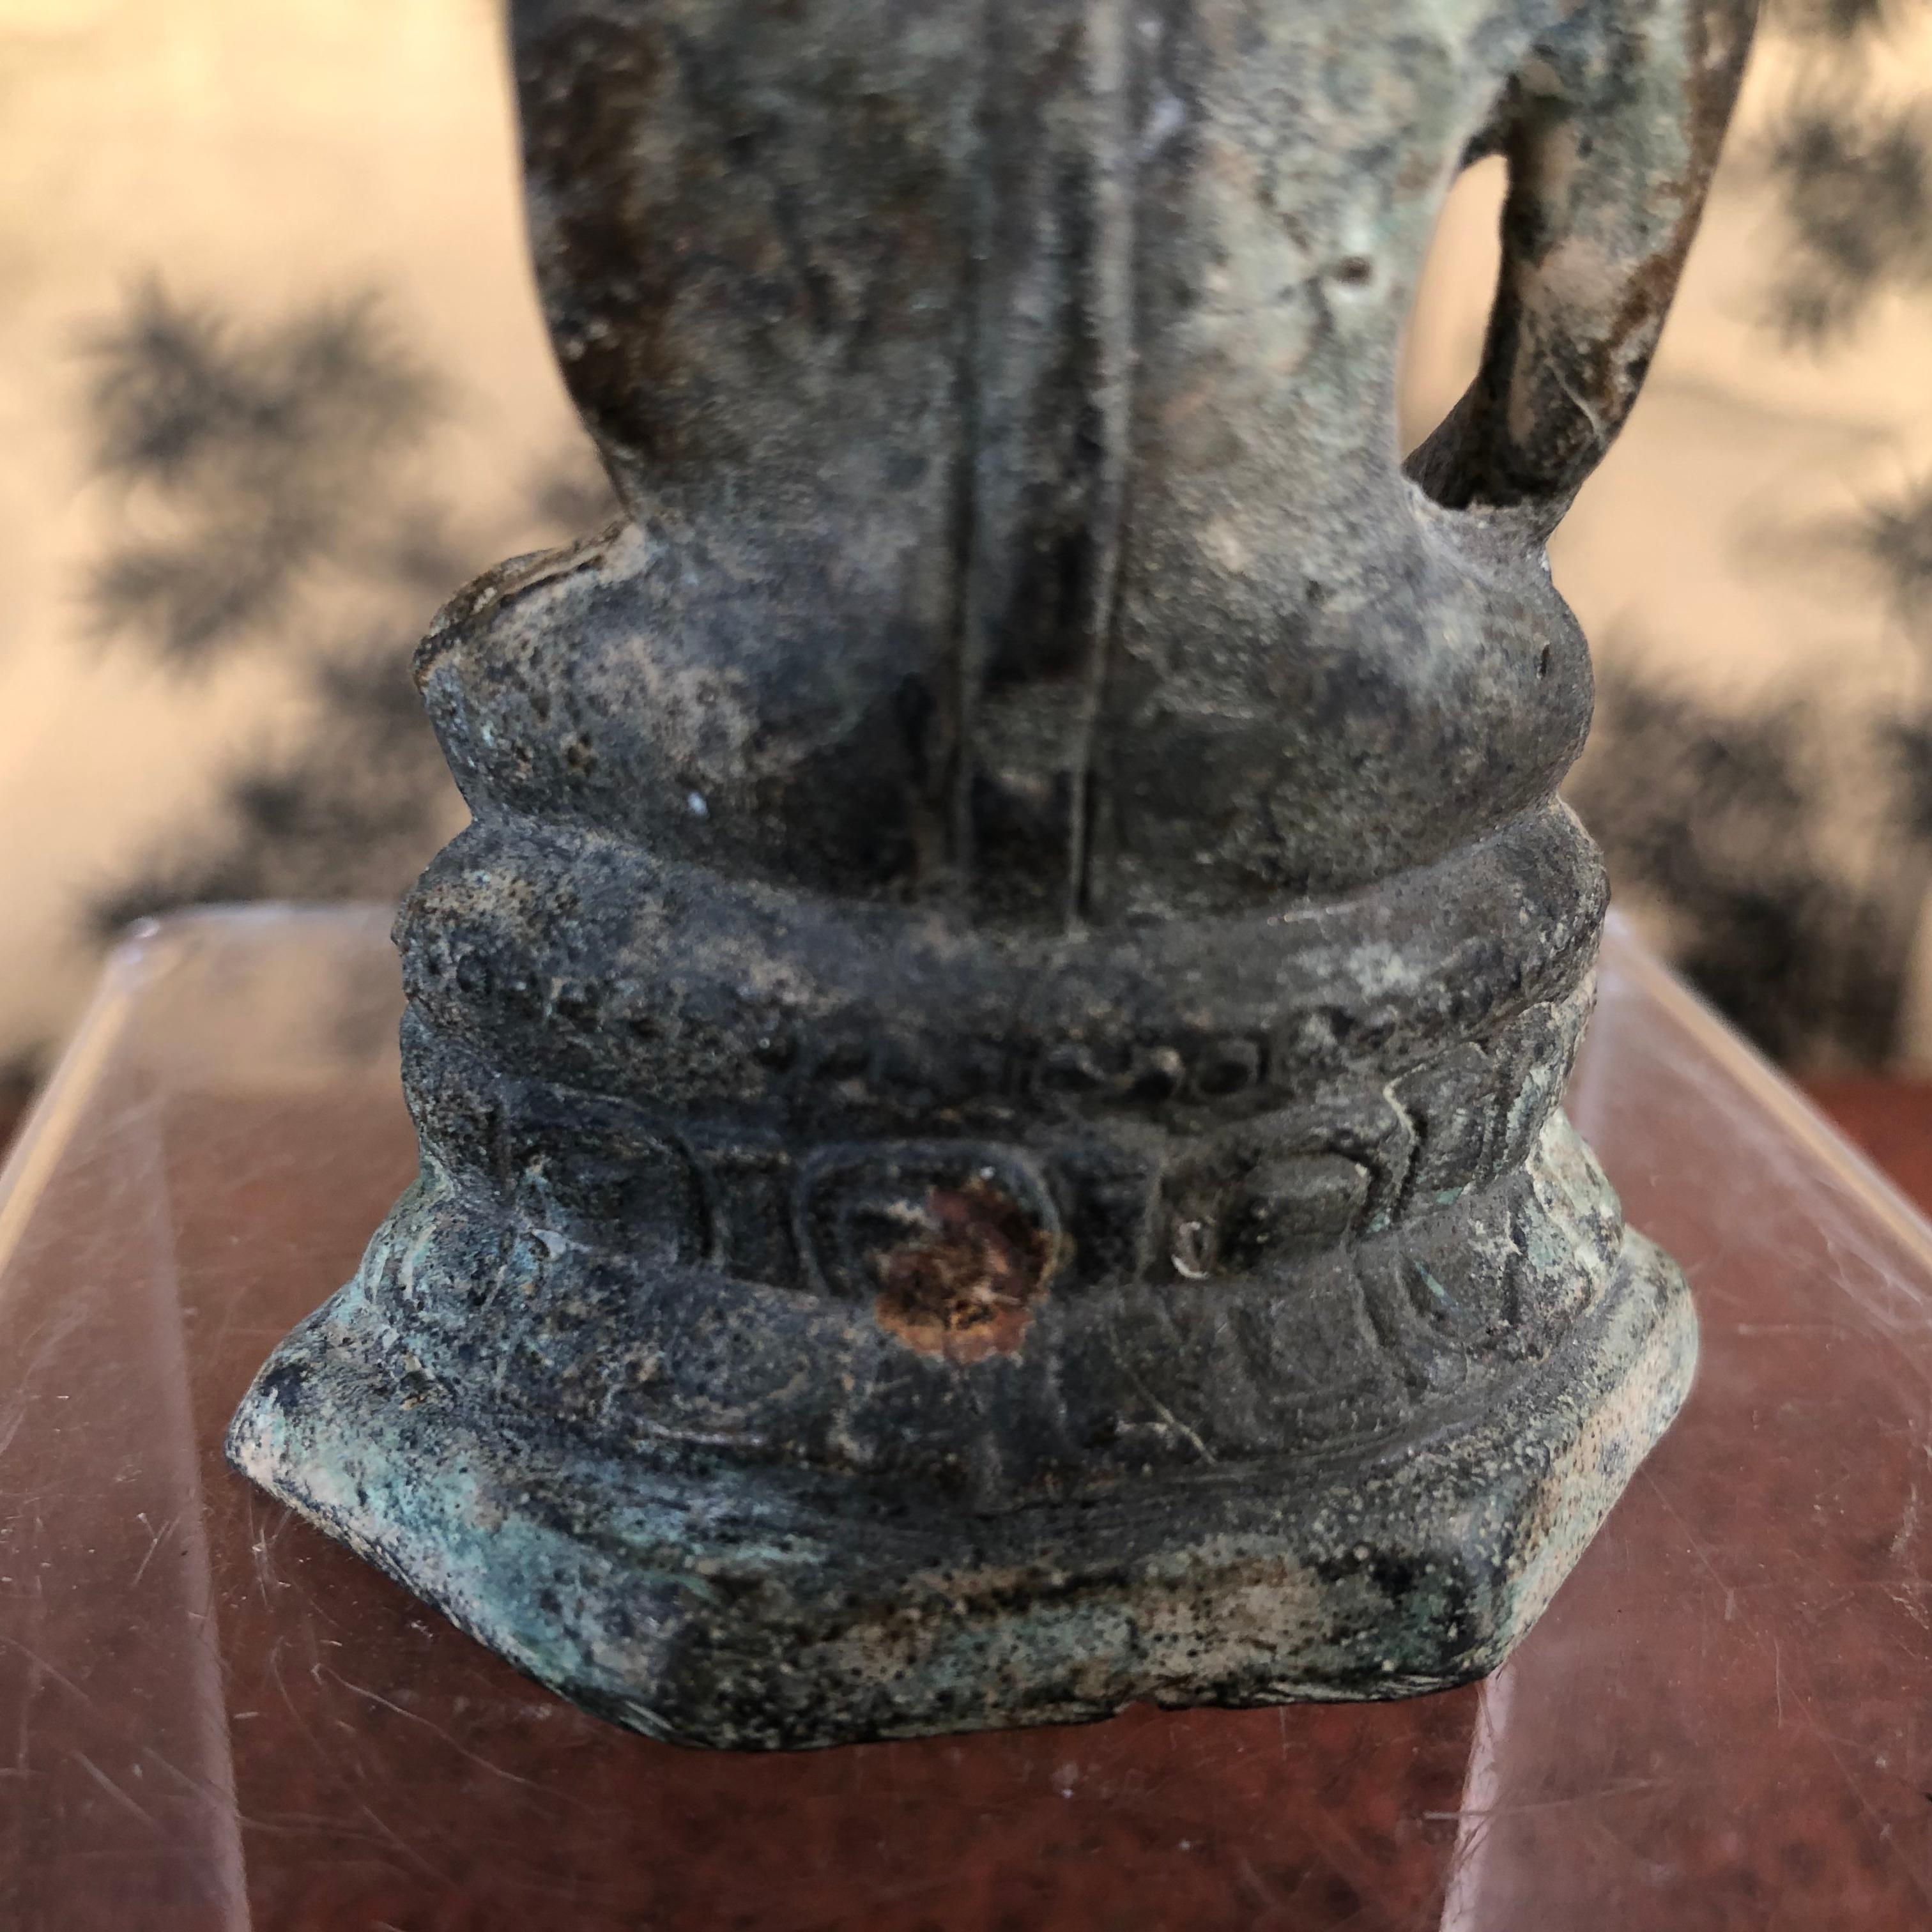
[273, 384]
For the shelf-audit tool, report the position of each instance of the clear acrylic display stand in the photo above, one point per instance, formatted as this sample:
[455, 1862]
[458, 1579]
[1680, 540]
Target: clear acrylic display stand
[212, 1717]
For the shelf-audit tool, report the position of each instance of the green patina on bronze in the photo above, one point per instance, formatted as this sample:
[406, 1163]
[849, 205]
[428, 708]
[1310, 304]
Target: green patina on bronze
[987, 1070]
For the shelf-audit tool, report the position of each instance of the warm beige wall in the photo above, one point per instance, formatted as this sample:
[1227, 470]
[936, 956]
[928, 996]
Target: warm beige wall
[269, 150]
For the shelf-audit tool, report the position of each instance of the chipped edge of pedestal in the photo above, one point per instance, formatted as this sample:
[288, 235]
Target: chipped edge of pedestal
[757, 1608]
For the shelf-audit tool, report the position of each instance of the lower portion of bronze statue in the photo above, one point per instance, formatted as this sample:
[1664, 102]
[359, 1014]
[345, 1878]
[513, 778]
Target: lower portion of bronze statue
[988, 1068]
[1016, 1329]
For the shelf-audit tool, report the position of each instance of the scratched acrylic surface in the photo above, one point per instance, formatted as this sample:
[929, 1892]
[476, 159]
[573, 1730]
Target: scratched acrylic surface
[212, 1717]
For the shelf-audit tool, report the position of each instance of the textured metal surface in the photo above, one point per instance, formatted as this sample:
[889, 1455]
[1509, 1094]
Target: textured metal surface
[987, 1070]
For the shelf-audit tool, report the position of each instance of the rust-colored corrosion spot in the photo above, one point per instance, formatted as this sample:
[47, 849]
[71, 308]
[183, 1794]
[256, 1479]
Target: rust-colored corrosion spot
[965, 1285]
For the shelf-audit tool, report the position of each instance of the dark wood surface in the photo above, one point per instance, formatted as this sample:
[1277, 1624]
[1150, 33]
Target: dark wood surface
[1890, 1120]
[214, 1716]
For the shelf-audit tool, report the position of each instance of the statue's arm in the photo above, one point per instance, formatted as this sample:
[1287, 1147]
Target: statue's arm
[1610, 130]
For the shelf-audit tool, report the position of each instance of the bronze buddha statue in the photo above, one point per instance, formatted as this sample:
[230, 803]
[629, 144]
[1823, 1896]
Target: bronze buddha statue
[989, 1066]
